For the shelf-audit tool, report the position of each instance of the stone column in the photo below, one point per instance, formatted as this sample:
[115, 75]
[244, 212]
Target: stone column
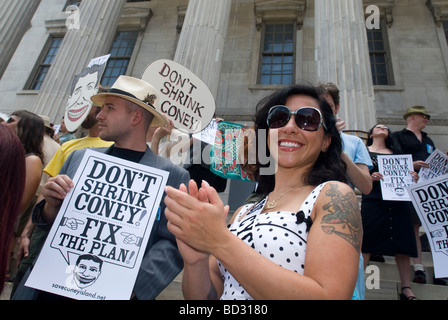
[15, 19]
[98, 25]
[201, 41]
[342, 57]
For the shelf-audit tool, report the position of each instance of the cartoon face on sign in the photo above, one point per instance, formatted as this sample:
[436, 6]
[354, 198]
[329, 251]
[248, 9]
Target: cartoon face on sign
[399, 191]
[87, 270]
[79, 104]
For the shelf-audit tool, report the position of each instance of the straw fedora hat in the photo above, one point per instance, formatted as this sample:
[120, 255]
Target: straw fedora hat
[47, 122]
[137, 91]
[416, 110]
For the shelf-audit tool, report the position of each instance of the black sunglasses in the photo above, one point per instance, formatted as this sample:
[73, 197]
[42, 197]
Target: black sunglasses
[306, 118]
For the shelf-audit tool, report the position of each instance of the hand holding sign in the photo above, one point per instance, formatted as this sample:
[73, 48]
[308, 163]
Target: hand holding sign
[107, 216]
[429, 200]
[377, 176]
[54, 193]
[184, 98]
[396, 176]
[436, 165]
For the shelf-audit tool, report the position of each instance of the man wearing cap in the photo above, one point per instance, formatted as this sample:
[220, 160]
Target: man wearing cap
[128, 110]
[413, 140]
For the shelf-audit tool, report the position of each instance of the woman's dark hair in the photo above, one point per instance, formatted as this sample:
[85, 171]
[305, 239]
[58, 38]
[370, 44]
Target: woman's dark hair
[329, 165]
[30, 130]
[391, 143]
[12, 186]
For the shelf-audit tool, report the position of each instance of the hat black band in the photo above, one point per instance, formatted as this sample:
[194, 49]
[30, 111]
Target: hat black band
[118, 91]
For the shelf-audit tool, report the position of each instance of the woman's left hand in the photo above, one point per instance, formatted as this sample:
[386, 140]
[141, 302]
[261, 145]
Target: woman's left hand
[376, 176]
[415, 176]
[197, 218]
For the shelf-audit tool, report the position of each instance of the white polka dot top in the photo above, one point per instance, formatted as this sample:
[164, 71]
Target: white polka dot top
[279, 236]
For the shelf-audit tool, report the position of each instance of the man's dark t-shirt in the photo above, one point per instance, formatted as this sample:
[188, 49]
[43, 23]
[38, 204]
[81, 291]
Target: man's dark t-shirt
[410, 144]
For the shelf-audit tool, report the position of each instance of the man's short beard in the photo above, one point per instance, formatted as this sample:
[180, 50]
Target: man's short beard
[89, 122]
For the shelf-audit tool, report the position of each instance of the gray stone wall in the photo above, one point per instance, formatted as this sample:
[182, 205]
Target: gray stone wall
[418, 48]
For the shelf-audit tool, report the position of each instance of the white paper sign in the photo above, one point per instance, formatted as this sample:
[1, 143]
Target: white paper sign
[99, 60]
[208, 134]
[430, 200]
[396, 171]
[183, 97]
[438, 165]
[97, 242]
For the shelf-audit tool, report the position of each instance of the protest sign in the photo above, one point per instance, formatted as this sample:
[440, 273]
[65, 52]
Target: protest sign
[228, 144]
[438, 165]
[208, 134]
[97, 242]
[430, 200]
[183, 97]
[102, 61]
[396, 171]
[85, 84]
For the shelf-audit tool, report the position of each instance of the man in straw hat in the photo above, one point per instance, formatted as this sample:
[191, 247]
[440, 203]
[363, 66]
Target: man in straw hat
[128, 110]
[413, 140]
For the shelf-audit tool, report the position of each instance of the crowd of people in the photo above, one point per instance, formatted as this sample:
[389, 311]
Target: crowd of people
[302, 228]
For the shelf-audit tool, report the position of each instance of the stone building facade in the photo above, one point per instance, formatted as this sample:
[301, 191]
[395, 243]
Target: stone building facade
[385, 55]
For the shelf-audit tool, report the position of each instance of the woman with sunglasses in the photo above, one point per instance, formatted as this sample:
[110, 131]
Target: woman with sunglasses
[388, 226]
[30, 128]
[302, 241]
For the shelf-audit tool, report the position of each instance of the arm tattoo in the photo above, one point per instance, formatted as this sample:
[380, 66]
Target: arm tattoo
[344, 218]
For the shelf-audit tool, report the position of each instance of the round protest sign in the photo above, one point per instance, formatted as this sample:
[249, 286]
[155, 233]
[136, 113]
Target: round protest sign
[183, 97]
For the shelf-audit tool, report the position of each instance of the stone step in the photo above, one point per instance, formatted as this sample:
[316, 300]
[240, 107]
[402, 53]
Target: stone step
[390, 290]
[390, 285]
[173, 291]
[387, 290]
[389, 270]
[6, 293]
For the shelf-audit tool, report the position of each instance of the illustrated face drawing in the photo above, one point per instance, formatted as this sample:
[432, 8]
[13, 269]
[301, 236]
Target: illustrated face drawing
[87, 271]
[79, 103]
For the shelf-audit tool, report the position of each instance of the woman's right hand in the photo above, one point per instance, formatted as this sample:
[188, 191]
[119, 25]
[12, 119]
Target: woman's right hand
[198, 217]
